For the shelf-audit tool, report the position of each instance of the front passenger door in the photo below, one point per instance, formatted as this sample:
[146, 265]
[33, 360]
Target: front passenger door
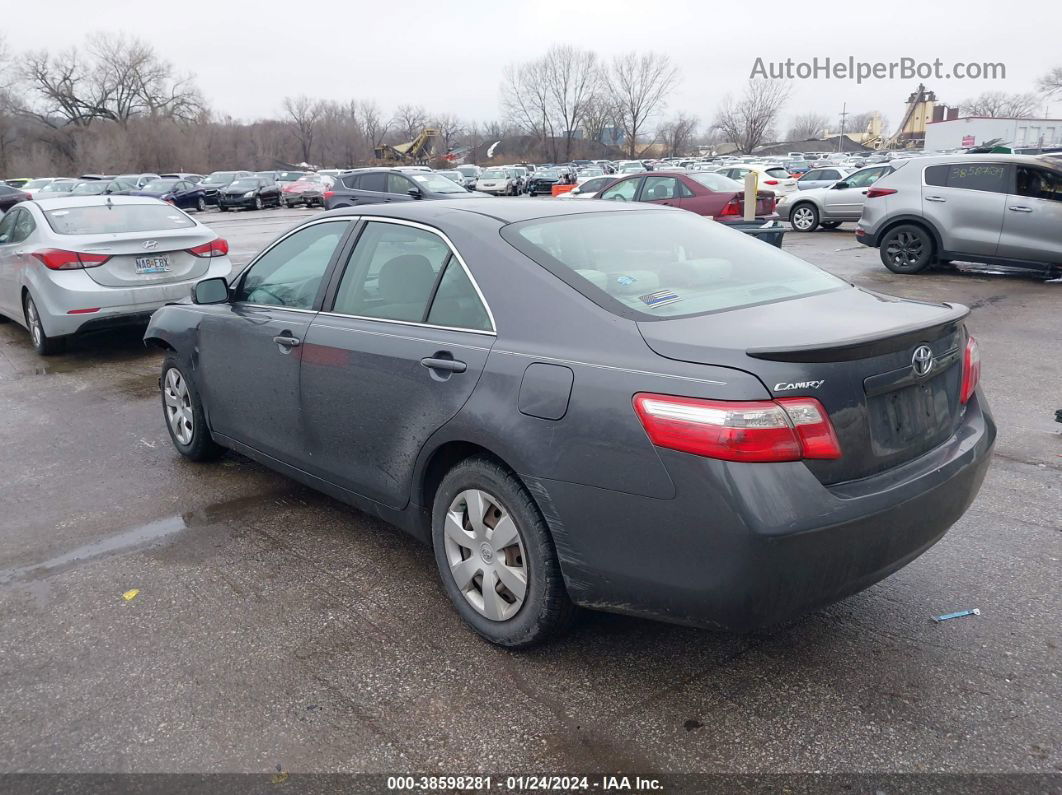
[250, 349]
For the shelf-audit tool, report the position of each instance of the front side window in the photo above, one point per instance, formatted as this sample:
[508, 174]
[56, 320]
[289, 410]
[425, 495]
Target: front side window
[290, 273]
[396, 183]
[623, 191]
[24, 227]
[7, 227]
[866, 177]
[1039, 184]
[650, 265]
[392, 273]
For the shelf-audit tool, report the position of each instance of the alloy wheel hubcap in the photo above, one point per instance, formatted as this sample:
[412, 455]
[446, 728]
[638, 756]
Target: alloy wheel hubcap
[905, 249]
[178, 406]
[802, 218]
[34, 322]
[486, 554]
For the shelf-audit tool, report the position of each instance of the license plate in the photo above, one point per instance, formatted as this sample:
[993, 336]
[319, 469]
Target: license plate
[152, 264]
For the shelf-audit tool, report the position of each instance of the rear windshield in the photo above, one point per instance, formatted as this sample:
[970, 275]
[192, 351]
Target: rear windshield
[780, 173]
[650, 265]
[716, 182]
[102, 219]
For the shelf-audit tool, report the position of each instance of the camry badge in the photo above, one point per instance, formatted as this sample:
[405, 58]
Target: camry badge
[922, 360]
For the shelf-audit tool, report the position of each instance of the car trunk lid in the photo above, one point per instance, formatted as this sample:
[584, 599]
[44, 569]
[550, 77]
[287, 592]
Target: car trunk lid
[851, 349]
[140, 259]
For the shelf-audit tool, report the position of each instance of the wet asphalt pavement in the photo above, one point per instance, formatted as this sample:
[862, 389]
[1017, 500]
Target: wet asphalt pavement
[274, 625]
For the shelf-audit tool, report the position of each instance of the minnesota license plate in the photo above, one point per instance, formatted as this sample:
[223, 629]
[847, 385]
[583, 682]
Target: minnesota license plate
[152, 264]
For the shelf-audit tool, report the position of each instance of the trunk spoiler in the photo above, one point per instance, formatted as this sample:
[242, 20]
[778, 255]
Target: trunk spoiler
[866, 346]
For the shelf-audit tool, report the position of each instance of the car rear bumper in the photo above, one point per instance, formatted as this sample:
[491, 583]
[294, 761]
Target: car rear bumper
[64, 291]
[746, 546]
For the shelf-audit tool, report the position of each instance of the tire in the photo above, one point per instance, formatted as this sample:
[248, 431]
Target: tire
[42, 343]
[830, 224]
[907, 249]
[182, 411]
[258, 205]
[222, 208]
[484, 487]
[804, 217]
[200, 204]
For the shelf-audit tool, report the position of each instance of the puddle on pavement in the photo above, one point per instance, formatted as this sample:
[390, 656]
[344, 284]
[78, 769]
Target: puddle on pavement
[158, 532]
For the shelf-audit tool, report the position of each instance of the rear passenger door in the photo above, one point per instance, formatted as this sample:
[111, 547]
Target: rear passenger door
[666, 191]
[394, 356]
[1032, 221]
[372, 188]
[845, 200]
[966, 203]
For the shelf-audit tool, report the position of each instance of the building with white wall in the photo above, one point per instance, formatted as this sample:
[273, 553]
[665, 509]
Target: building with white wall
[978, 130]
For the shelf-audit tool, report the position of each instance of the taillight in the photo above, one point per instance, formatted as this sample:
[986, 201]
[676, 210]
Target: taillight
[218, 247]
[58, 259]
[328, 194]
[734, 207]
[971, 370]
[787, 429]
[877, 193]
[770, 182]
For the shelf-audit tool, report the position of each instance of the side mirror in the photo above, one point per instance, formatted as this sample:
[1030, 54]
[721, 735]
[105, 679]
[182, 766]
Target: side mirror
[414, 192]
[211, 291]
[841, 185]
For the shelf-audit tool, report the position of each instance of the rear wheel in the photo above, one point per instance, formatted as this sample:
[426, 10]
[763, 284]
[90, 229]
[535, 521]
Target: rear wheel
[42, 343]
[907, 249]
[184, 415]
[496, 558]
[804, 218]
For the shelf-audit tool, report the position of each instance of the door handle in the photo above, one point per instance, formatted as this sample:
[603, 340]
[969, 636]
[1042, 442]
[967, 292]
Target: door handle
[1020, 209]
[935, 199]
[285, 340]
[446, 365]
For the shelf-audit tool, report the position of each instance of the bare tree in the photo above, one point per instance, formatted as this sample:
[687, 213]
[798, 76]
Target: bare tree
[750, 120]
[677, 134]
[999, 104]
[599, 117]
[807, 127]
[305, 114]
[572, 79]
[640, 85]
[410, 120]
[373, 123]
[450, 128]
[1051, 83]
[526, 102]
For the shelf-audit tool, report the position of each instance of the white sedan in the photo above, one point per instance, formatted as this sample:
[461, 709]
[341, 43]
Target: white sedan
[71, 264]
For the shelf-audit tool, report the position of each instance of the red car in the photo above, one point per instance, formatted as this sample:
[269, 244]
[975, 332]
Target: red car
[704, 193]
[9, 197]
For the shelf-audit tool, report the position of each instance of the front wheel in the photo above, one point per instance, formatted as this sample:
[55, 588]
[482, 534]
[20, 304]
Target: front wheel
[907, 249]
[496, 558]
[804, 218]
[200, 204]
[183, 411]
[258, 203]
[830, 224]
[42, 343]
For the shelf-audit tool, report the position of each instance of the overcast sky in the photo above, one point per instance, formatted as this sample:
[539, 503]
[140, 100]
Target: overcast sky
[448, 56]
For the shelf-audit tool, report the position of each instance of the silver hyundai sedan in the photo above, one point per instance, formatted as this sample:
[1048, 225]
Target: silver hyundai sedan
[73, 264]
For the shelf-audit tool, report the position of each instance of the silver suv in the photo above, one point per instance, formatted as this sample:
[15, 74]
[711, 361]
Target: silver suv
[998, 209]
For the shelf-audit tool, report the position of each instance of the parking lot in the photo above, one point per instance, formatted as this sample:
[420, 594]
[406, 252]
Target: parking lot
[275, 626]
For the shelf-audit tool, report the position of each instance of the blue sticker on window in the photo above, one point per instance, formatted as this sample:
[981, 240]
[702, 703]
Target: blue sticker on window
[626, 281]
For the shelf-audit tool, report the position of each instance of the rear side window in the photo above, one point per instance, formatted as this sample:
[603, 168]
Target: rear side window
[990, 177]
[104, 219]
[650, 265]
[374, 182]
[937, 176]
[456, 302]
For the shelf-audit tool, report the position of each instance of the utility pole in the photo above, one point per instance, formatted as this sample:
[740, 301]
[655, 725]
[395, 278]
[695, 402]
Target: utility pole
[844, 116]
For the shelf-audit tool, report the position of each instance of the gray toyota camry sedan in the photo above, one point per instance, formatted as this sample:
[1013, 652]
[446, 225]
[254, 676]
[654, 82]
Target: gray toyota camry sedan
[631, 409]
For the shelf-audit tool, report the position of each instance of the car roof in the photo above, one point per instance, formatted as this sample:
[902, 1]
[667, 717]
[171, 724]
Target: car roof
[503, 210]
[1028, 160]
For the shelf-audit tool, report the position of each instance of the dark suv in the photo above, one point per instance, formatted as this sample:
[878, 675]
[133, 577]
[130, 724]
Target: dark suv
[378, 185]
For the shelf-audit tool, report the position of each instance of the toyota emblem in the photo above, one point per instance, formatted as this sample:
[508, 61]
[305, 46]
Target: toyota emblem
[922, 360]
